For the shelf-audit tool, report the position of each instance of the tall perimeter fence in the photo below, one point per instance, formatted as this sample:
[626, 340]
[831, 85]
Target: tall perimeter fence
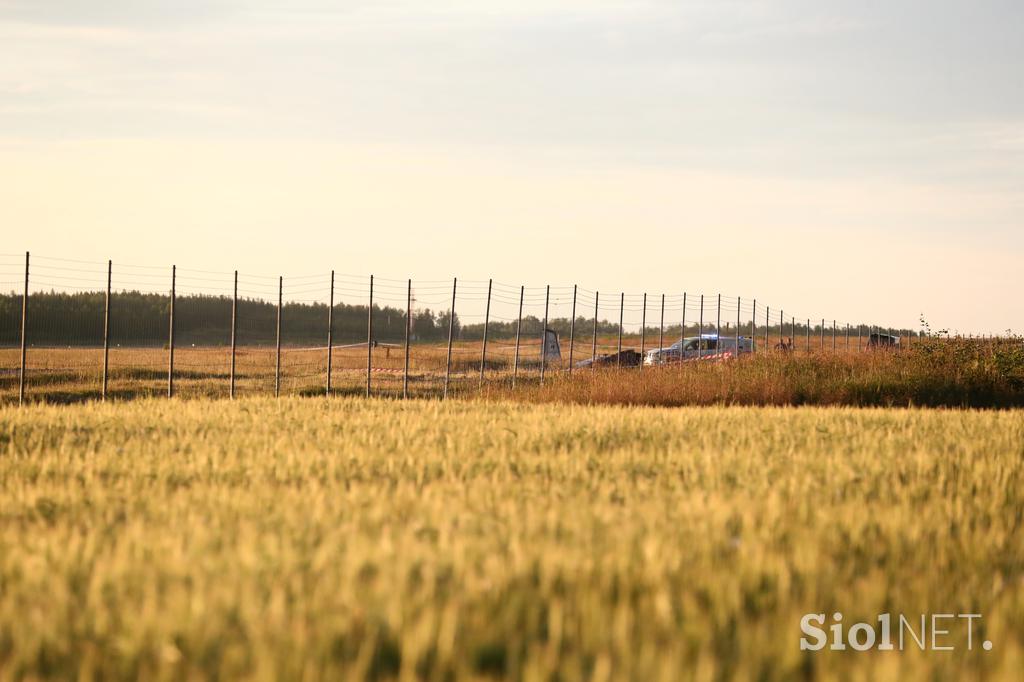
[73, 329]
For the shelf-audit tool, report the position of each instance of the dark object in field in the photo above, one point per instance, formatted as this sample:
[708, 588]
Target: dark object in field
[627, 358]
[876, 339]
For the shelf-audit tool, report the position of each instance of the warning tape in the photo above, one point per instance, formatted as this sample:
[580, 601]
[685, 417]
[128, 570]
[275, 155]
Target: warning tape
[716, 357]
[362, 344]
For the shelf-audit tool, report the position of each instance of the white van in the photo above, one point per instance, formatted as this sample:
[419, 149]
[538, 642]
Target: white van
[695, 347]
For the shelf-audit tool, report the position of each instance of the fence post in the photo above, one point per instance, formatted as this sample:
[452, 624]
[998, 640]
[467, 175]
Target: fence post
[622, 307]
[170, 338]
[369, 339]
[487, 319]
[234, 335]
[330, 335]
[277, 365]
[24, 336]
[593, 350]
[408, 331]
[718, 324]
[682, 329]
[544, 335]
[860, 346]
[767, 326]
[808, 334]
[833, 336]
[519, 329]
[682, 332]
[700, 330]
[572, 329]
[643, 331]
[847, 337]
[821, 336]
[738, 302]
[753, 327]
[661, 333]
[106, 331]
[792, 329]
[451, 331]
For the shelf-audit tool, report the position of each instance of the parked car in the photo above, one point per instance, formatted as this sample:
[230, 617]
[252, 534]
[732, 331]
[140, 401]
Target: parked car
[695, 347]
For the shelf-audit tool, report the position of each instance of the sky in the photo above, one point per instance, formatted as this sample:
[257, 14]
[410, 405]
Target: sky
[851, 160]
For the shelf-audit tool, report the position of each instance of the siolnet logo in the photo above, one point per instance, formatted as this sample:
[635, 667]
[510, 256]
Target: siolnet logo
[928, 632]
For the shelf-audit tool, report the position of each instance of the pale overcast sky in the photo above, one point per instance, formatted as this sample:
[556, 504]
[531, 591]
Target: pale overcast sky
[859, 160]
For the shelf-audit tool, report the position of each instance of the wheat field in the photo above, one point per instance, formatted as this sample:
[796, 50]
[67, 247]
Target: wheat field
[377, 539]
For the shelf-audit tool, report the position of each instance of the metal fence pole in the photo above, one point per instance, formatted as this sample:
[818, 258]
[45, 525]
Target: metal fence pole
[682, 332]
[369, 339]
[739, 308]
[753, 327]
[768, 324]
[277, 366]
[593, 350]
[408, 331]
[572, 329]
[643, 331]
[544, 335]
[170, 337]
[792, 330]
[833, 336]
[808, 334]
[106, 331]
[330, 335]
[860, 346]
[661, 332]
[738, 302]
[451, 331]
[618, 351]
[487, 319]
[234, 337]
[24, 336]
[519, 329]
[718, 324]
[847, 337]
[700, 330]
[821, 335]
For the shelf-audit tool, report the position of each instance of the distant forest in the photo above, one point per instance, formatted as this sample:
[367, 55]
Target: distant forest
[138, 319]
[141, 319]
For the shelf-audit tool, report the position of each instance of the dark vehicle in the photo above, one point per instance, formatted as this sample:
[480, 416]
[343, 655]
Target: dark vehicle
[883, 340]
[627, 358]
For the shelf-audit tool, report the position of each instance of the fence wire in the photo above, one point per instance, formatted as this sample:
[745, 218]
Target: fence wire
[101, 329]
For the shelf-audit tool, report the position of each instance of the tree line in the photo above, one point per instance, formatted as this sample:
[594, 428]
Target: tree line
[142, 319]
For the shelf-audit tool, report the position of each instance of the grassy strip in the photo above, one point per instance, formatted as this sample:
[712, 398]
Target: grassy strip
[934, 374]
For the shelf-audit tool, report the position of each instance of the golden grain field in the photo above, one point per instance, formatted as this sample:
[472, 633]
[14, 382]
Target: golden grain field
[376, 539]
